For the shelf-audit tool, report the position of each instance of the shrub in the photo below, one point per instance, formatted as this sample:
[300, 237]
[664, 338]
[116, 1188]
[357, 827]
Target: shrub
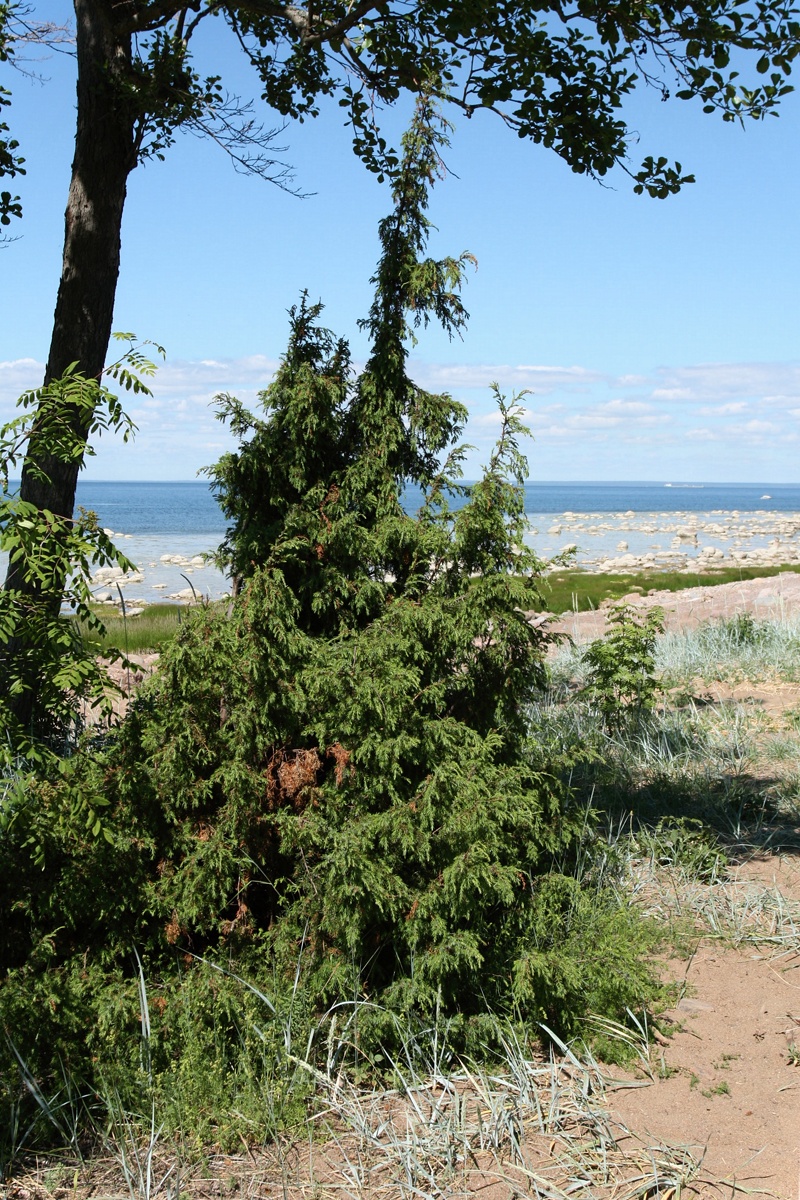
[621, 682]
[329, 787]
[47, 667]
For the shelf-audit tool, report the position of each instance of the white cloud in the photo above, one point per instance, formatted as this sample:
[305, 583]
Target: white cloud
[632, 381]
[573, 411]
[535, 417]
[755, 427]
[780, 401]
[702, 435]
[543, 380]
[631, 408]
[17, 376]
[722, 381]
[724, 410]
[623, 415]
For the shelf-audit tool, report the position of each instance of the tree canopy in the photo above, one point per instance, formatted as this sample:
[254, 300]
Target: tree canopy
[11, 162]
[556, 73]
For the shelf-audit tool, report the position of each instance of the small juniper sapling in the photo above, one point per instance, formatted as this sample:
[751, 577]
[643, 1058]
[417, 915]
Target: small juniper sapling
[622, 683]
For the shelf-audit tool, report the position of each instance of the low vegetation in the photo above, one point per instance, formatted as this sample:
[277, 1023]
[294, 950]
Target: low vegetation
[669, 795]
[144, 632]
[576, 590]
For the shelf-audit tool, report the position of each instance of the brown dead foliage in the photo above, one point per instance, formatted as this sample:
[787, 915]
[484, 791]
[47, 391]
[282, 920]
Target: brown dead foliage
[293, 775]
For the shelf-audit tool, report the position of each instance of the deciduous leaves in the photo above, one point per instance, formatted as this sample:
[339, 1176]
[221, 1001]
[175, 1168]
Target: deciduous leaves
[42, 655]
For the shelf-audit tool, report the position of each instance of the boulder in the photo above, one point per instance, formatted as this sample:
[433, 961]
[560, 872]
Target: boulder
[107, 574]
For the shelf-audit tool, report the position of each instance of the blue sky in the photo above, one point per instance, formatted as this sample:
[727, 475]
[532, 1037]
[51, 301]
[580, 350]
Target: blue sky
[658, 338]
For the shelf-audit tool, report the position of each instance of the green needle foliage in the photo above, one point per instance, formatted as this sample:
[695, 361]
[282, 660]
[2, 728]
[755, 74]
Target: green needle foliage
[621, 683]
[329, 787]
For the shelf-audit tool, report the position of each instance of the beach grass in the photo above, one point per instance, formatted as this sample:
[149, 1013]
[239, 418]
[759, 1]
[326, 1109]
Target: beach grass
[577, 590]
[147, 631]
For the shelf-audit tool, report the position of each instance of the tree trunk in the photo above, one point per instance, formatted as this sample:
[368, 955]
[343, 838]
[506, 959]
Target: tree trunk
[104, 157]
[105, 154]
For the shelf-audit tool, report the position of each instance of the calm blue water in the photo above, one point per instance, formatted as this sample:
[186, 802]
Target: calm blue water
[190, 508]
[166, 529]
[658, 497]
[154, 508]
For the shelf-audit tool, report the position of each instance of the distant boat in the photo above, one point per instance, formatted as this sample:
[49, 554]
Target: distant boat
[766, 497]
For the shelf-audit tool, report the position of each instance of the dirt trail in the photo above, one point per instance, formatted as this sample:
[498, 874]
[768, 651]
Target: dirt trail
[732, 1091]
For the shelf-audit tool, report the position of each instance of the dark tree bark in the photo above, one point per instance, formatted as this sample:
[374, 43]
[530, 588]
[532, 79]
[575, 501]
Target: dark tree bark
[104, 157]
[105, 154]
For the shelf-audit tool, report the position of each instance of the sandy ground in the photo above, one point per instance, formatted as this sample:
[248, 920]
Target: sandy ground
[731, 1091]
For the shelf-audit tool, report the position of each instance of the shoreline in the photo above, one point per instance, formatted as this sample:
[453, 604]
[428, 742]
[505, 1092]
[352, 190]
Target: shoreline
[176, 568]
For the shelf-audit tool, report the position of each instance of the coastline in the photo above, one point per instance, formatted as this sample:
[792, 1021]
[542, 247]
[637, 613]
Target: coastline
[172, 567]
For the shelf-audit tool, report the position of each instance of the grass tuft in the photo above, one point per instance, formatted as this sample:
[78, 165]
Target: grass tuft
[147, 631]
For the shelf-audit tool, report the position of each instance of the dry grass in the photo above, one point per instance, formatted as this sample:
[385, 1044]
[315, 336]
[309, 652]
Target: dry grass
[539, 1128]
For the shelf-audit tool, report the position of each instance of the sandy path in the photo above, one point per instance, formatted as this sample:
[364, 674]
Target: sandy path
[733, 1094]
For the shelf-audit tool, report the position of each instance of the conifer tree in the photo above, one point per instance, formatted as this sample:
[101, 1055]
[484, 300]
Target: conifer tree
[332, 775]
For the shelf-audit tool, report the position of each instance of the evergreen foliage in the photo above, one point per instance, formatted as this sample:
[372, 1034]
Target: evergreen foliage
[328, 786]
[621, 681]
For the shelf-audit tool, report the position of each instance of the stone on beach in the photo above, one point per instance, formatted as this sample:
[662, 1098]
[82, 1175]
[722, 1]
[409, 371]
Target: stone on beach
[116, 575]
[107, 574]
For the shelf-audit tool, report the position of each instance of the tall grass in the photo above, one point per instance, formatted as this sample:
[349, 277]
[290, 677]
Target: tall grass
[728, 765]
[147, 631]
[741, 647]
[433, 1126]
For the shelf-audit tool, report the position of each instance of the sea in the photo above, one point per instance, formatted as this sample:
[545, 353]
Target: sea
[166, 529]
